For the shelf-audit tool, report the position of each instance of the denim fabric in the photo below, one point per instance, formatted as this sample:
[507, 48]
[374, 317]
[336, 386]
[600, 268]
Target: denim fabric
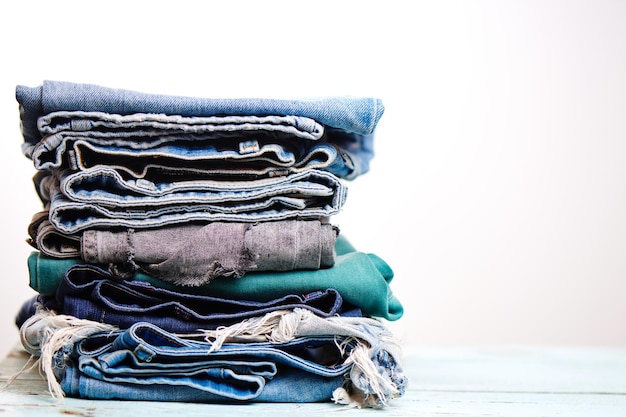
[193, 254]
[234, 135]
[292, 385]
[284, 325]
[376, 343]
[362, 279]
[88, 292]
[101, 124]
[52, 243]
[200, 158]
[185, 145]
[146, 355]
[44, 237]
[130, 364]
[352, 114]
[207, 158]
[101, 198]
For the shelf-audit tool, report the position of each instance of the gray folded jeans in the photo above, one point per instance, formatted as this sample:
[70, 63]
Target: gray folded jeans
[193, 254]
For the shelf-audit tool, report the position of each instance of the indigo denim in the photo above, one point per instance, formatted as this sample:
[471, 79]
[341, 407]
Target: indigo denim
[362, 279]
[351, 114]
[88, 292]
[103, 198]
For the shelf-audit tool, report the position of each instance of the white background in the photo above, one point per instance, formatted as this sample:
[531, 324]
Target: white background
[497, 193]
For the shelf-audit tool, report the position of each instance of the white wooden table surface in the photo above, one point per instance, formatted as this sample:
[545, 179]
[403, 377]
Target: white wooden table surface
[513, 381]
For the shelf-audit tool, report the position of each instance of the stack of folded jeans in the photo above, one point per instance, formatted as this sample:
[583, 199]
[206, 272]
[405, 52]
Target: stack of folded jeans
[185, 250]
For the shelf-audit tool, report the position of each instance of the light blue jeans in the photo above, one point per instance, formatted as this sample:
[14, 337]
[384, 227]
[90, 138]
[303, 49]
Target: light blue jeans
[202, 157]
[269, 145]
[353, 115]
[80, 139]
[205, 157]
[98, 124]
[101, 197]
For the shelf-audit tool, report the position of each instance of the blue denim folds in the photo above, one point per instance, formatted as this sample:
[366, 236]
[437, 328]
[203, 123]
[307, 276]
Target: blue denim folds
[313, 362]
[185, 250]
[217, 146]
[101, 198]
[359, 115]
[90, 293]
[58, 114]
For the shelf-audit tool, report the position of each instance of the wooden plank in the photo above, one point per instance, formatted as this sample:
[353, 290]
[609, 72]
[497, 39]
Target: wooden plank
[443, 382]
[519, 369]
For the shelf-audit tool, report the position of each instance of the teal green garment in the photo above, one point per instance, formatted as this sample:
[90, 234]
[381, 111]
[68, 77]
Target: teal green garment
[362, 279]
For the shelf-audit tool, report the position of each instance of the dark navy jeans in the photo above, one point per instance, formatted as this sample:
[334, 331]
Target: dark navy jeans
[88, 292]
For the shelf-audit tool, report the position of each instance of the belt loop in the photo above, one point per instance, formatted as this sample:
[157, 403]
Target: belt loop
[144, 353]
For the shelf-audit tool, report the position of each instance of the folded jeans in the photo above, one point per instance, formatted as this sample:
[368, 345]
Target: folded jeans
[93, 363]
[194, 254]
[102, 198]
[351, 114]
[88, 292]
[362, 279]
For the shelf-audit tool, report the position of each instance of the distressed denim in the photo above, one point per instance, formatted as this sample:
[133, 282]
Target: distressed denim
[88, 292]
[362, 279]
[351, 114]
[102, 198]
[52, 243]
[194, 254]
[145, 355]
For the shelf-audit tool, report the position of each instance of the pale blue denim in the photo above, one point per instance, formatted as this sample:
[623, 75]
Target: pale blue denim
[201, 157]
[254, 148]
[101, 198]
[89, 292]
[186, 138]
[130, 364]
[99, 124]
[352, 114]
